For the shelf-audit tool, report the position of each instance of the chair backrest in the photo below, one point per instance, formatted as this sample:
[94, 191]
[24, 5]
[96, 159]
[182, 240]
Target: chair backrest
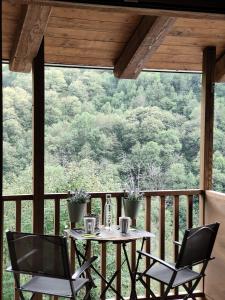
[41, 255]
[197, 245]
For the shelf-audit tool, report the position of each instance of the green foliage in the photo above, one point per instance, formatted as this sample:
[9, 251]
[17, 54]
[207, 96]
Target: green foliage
[135, 195]
[114, 133]
[78, 196]
[104, 134]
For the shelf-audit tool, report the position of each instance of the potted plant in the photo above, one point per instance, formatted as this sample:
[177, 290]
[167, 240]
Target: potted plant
[131, 203]
[76, 204]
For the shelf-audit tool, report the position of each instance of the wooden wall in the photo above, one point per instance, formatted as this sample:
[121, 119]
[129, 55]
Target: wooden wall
[215, 279]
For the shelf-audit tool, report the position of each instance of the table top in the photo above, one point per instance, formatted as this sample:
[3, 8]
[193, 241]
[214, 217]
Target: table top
[109, 235]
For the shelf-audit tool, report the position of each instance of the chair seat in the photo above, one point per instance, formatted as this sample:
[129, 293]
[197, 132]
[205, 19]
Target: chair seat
[163, 274]
[53, 286]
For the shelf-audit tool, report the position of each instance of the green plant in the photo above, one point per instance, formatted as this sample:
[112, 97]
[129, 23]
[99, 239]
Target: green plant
[78, 196]
[135, 195]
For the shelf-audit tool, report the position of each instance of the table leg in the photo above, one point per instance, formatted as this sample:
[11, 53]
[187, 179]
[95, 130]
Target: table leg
[83, 257]
[133, 294]
[77, 252]
[139, 255]
[108, 283]
[111, 281]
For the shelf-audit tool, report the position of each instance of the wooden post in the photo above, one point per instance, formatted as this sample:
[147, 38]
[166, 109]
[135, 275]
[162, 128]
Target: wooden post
[207, 118]
[38, 140]
[1, 161]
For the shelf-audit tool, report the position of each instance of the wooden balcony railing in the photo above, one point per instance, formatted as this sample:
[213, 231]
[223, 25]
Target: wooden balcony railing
[181, 205]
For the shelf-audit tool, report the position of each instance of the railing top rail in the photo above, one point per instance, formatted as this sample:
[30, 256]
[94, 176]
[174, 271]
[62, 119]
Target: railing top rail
[102, 194]
[17, 197]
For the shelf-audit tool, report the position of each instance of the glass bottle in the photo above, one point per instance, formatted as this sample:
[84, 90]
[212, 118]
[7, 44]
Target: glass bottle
[108, 212]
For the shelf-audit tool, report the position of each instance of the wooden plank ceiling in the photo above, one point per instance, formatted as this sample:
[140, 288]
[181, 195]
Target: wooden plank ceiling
[90, 37]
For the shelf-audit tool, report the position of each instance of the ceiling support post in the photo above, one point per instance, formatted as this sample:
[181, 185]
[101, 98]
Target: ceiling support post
[207, 122]
[207, 118]
[38, 140]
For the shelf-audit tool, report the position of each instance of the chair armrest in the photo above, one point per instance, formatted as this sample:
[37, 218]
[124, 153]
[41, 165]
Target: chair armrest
[158, 260]
[177, 243]
[84, 267]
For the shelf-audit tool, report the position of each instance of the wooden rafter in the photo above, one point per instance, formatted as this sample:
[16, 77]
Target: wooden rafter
[29, 37]
[207, 9]
[144, 42]
[220, 69]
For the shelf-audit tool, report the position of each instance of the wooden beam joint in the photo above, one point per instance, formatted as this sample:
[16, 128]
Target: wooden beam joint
[220, 69]
[142, 45]
[30, 33]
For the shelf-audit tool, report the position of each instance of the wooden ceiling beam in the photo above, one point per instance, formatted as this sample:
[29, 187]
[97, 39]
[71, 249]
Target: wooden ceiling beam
[206, 9]
[220, 69]
[29, 36]
[144, 42]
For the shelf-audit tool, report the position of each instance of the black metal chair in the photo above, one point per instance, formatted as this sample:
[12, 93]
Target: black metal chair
[196, 248]
[45, 257]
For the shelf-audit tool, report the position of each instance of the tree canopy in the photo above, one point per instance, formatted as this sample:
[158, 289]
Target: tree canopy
[104, 134]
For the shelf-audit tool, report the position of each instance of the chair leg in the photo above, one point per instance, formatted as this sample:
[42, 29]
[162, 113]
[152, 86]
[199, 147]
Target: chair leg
[17, 284]
[164, 297]
[190, 295]
[21, 296]
[191, 290]
[88, 291]
[32, 297]
[147, 288]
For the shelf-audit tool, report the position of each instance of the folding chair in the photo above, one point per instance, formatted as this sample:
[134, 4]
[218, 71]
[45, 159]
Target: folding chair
[45, 258]
[196, 248]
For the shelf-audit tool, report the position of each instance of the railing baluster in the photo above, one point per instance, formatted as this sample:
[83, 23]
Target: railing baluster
[57, 216]
[72, 251]
[56, 223]
[89, 207]
[133, 250]
[18, 215]
[176, 231]
[162, 234]
[190, 211]
[103, 201]
[148, 241]
[18, 228]
[189, 216]
[88, 244]
[118, 248]
[103, 251]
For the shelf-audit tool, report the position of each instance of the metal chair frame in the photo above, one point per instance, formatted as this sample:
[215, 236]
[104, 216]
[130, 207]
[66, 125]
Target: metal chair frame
[66, 267]
[213, 228]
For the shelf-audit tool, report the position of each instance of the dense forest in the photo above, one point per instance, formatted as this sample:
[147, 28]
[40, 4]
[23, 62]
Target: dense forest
[104, 134]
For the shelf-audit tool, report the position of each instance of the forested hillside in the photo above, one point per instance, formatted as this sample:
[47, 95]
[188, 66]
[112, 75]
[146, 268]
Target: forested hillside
[104, 134]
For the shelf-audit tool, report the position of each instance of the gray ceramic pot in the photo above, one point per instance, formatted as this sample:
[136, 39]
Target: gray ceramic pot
[131, 208]
[76, 211]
